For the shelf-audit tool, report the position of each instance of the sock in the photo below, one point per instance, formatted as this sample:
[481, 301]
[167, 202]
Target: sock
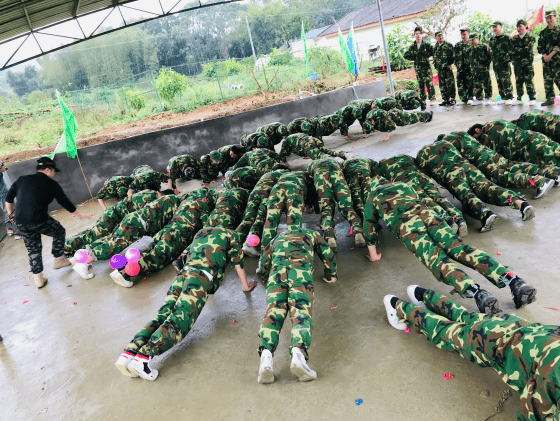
[472, 290]
[394, 302]
[419, 293]
[523, 206]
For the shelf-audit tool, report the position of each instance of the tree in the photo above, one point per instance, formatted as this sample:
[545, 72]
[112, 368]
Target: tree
[398, 41]
[482, 25]
[24, 82]
[439, 16]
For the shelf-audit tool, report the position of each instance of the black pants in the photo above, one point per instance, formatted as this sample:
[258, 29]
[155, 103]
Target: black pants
[32, 238]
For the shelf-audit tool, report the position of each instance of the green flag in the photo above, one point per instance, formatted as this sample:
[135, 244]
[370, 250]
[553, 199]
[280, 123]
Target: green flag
[67, 142]
[305, 49]
[345, 52]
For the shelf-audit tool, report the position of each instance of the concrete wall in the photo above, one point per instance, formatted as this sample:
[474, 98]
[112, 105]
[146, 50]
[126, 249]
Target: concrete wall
[120, 157]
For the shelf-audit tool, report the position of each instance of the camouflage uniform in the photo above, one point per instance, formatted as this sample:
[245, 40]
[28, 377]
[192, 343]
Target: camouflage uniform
[303, 125]
[421, 58]
[306, 146]
[288, 263]
[328, 124]
[388, 103]
[235, 177]
[347, 116]
[501, 49]
[429, 238]
[208, 257]
[143, 175]
[177, 163]
[261, 159]
[549, 41]
[403, 169]
[480, 58]
[523, 56]
[288, 195]
[147, 221]
[540, 121]
[110, 219]
[208, 170]
[275, 132]
[443, 162]
[227, 161]
[519, 145]
[409, 100]
[256, 140]
[387, 121]
[31, 234]
[331, 188]
[230, 205]
[360, 108]
[443, 59]
[115, 187]
[524, 354]
[464, 75]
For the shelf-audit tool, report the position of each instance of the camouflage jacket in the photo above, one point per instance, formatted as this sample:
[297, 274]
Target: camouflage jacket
[212, 249]
[505, 138]
[135, 202]
[384, 121]
[328, 124]
[358, 166]
[177, 163]
[141, 169]
[140, 180]
[112, 185]
[230, 206]
[158, 213]
[549, 41]
[361, 107]
[522, 49]
[386, 104]
[461, 56]
[294, 144]
[349, 113]
[330, 164]
[297, 178]
[227, 161]
[303, 125]
[443, 55]
[267, 181]
[403, 169]
[437, 158]
[501, 49]
[420, 56]
[540, 121]
[408, 99]
[480, 58]
[208, 170]
[275, 132]
[256, 140]
[256, 158]
[295, 249]
[235, 177]
[474, 152]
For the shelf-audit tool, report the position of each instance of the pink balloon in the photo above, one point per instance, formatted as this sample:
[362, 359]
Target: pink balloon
[80, 256]
[132, 268]
[132, 255]
[253, 240]
[168, 169]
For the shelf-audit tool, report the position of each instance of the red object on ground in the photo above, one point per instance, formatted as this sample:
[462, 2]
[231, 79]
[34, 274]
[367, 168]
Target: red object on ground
[447, 376]
[332, 308]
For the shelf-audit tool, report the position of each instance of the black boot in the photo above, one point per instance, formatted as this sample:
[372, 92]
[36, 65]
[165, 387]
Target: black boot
[486, 302]
[522, 292]
[488, 221]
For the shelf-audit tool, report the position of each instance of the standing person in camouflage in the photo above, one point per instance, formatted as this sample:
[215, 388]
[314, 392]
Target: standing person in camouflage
[287, 266]
[303, 125]
[208, 256]
[261, 159]
[307, 147]
[480, 58]
[540, 121]
[110, 219]
[332, 189]
[210, 167]
[403, 169]
[256, 140]
[499, 169]
[409, 100]
[437, 246]
[444, 163]
[245, 177]
[501, 48]
[524, 354]
[443, 60]
[464, 75]
[167, 245]
[522, 55]
[114, 187]
[387, 121]
[230, 155]
[144, 174]
[230, 206]
[275, 132]
[183, 166]
[420, 52]
[548, 46]
[516, 144]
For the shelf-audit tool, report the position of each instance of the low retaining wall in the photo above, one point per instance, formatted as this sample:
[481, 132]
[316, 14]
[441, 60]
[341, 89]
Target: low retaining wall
[120, 157]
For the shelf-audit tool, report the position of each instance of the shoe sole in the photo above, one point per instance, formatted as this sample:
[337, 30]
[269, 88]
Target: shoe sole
[359, 240]
[545, 192]
[246, 253]
[332, 244]
[302, 374]
[492, 308]
[266, 377]
[463, 230]
[133, 371]
[410, 291]
[526, 298]
[529, 214]
[119, 282]
[124, 370]
[489, 224]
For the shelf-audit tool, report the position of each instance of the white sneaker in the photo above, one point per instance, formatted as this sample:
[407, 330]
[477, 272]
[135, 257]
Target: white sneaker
[123, 362]
[476, 102]
[532, 102]
[500, 102]
[487, 101]
[359, 240]
[85, 270]
[250, 250]
[91, 254]
[509, 101]
[300, 368]
[266, 371]
[140, 366]
[434, 101]
[543, 190]
[410, 291]
[392, 314]
[469, 102]
[460, 103]
[332, 244]
[119, 279]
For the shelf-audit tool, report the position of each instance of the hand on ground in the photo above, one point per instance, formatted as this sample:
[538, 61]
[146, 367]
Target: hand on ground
[250, 286]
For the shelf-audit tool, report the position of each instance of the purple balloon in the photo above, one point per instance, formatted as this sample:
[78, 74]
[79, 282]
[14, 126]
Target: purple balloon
[118, 261]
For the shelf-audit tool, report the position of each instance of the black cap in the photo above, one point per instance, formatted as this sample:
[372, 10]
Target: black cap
[46, 162]
[521, 22]
[465, 29]
[497, 23]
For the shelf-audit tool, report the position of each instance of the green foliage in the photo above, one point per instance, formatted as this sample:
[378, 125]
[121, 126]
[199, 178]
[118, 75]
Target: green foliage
[325, 60]
[224, 68]
[169, 83]
[135, 98]
[24, 82]
[280, 58]
[398, 41]
[40, 97]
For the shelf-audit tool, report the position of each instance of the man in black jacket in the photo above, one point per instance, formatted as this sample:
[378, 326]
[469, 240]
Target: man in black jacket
[34, 193]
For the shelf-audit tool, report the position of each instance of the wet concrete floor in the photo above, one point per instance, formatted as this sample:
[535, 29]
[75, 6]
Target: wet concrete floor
[61, 342]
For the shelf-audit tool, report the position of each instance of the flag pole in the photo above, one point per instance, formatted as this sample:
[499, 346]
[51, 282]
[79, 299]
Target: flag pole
[387, 59]
[78, 156]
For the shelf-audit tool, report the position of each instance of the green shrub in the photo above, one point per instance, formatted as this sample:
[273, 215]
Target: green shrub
[398, 41]
[169, 83]
[225, 68]
[280, 58]
[135, 99]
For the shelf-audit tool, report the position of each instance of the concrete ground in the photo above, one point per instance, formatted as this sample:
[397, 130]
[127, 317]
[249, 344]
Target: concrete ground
[61, 342]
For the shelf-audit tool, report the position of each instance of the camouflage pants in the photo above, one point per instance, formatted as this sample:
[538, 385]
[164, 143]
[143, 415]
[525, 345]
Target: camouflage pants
[551, 75]
[31, 235]
[515, 348]
[284, 197]
[503, 79]
[482, 85]
[110, 191]
[128, 231]
[446, 83]
[185, 300]
[404, 118]
[524, 75]
[332, 189]
[430, 196]
[464, 84]
[253, 218]
[425, 82]
[316, 149]
[434, 243]
[514, 175]
[541, 150]
[359, 190]
[104, 226]
[266, 165]
[289, 290]
[472, 189]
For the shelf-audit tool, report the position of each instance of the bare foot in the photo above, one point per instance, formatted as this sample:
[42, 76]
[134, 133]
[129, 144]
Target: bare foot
[331, 281]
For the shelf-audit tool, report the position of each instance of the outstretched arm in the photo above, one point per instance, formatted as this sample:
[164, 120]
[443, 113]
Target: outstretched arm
[246, 287]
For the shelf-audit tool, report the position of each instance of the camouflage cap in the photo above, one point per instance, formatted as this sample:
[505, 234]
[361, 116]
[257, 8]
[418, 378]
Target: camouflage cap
[283, 130]
[521, 22]
[418, 28]
[464, 30]
[471, 36]
[496, 23]
[439, 33]
[215, 155]
[548, 13]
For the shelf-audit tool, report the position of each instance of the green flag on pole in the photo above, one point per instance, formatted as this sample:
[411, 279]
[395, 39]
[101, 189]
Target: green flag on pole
[67, 142]
[305, 49]
[345, 52]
